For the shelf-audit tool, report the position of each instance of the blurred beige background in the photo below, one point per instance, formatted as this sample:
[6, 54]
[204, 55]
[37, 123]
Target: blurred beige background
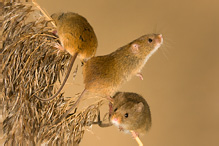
[180, 81]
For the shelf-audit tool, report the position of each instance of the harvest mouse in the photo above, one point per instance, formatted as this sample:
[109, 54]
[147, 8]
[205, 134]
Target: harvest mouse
[77, 38]
[130, 112]
[103, 75]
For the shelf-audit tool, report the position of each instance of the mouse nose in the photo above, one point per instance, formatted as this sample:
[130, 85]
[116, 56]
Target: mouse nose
[160, 35]
[160, 38]
[115, 119]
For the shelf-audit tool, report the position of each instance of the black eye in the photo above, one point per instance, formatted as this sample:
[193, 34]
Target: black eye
[115, 109]
[126, 115]
[150, 40]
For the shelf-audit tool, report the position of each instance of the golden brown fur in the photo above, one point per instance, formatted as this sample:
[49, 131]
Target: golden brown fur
[105, 74]
[139, 115]
[76, 34]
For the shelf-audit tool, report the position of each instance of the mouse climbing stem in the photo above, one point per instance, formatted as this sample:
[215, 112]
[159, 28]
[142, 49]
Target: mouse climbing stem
[77, 37]
[131, 113]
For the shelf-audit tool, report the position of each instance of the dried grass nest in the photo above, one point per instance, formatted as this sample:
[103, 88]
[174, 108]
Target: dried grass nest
[30, 67]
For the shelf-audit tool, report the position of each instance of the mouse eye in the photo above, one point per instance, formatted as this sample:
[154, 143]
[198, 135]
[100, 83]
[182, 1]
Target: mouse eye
[126, 115]
[115, 109]
[150, 40]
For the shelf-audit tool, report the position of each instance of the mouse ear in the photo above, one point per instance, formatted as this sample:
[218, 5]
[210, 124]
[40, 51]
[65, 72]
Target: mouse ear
[119, 97]
[116, 94]
[139, 106]
[135, 48]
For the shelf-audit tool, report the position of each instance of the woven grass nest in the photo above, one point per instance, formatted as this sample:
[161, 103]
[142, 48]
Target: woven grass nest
[31, 66]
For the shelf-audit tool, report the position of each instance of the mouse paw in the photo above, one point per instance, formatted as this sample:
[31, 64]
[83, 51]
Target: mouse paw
[59, 46]
[110, 108]
[121, 128]
[111, 100]
[55, 32]
[140, 76]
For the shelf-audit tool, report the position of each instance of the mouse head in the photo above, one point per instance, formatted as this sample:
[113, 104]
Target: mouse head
[128, 116]
[146, 45]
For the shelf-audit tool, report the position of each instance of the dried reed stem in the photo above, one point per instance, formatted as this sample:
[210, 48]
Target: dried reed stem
[31, 67]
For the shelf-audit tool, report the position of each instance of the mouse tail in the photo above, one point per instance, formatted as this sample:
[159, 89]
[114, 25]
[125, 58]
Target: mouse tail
[72, 107]
[64, 81]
